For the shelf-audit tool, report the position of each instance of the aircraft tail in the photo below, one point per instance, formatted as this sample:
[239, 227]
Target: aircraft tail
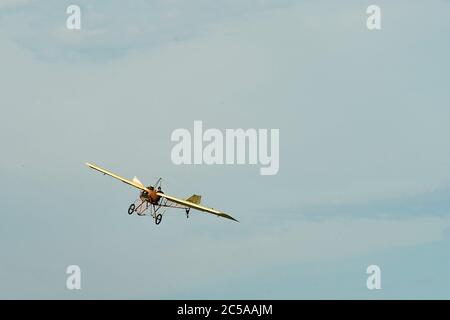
[195, 198]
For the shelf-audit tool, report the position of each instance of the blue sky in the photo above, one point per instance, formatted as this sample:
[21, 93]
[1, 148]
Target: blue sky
[363, 119]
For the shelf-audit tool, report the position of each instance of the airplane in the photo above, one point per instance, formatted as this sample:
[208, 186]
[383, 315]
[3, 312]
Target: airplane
[153, 198]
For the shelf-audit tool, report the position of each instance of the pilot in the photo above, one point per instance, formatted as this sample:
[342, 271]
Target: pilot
[159, 189]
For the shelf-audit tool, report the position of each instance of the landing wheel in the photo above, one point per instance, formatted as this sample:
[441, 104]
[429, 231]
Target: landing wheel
[131, 208]
[187, 212]
[158, 219]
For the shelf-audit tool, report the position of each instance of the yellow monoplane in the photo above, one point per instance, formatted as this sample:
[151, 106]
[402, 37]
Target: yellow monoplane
[153, 198]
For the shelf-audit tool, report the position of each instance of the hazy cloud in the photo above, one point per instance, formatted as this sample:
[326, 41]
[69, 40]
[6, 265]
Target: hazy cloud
[111, 29]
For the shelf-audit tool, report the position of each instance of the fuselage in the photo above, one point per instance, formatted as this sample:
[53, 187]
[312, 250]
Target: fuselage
[151, 196]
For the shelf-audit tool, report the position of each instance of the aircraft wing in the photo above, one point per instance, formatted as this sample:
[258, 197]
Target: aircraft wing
[195, 206]
[109, 173]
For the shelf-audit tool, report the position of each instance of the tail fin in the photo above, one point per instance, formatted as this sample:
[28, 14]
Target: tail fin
[195, 198]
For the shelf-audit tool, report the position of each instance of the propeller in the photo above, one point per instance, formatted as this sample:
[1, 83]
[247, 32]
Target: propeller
[136, 180]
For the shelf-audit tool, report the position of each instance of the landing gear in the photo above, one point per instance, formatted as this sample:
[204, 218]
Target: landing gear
[131, 208]
[187, 212]
[158, 218]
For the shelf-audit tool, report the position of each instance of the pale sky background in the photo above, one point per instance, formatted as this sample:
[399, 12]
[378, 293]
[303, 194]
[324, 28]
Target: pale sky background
[364, 155]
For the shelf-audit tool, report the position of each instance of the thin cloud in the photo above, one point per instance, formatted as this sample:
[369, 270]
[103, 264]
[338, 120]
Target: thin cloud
[110, 29]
